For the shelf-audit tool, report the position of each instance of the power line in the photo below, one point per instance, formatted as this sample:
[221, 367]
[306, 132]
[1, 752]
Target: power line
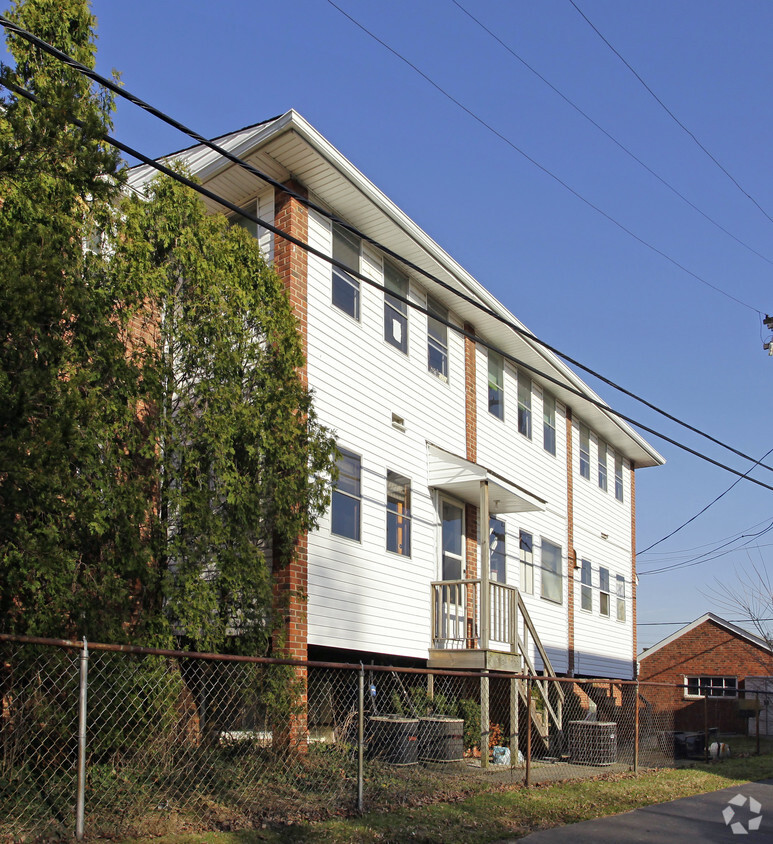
[611, 137]
[704, 558]
[541, 167]
[122, 92]
[703, 510]
[714, 545]
[683, 623]
[669, 112]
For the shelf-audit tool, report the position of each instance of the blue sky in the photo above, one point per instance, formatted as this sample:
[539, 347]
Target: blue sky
[573, 276]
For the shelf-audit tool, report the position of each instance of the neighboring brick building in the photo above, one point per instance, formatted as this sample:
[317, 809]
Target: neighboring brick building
[709, 657]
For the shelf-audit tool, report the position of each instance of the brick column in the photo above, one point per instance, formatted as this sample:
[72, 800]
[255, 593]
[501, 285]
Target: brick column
[291, 576]
[571, 554]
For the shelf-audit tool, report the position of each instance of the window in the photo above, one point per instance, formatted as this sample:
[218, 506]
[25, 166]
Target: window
[243, 222]
[524, 405]
[347, 497]
[549, 422]
[620, 580]
[395, 311]
[526, 554]
[711, 686]
[496, 390]
[584, 452]
[604, 591]
[437, 339]
[586, 592]
[398, 514]
[602, 465]
[618, 477]
[453, 541]
[497, 554]
[551, 572]
[346, 290]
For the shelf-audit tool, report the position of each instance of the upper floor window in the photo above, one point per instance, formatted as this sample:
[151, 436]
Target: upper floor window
[346, 290]
[496, 390]
[524, 405]
[398, 514]
[551, 572]
[584, 452]
[437, 339]
[347, 497]
[618, 477]
[243, 222]
[620, 582]
[602, 460]
[497, 553]
[526, 554]
[549, 422]
[395, 311]
[586, 591]
[604, 591]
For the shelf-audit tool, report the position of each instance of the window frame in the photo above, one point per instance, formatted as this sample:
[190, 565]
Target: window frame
[341, 280]
[440, 345]
[499, 550]
[496, 385]
[619, 490]
[551, 575]
[620, 597]
[524, 405]
[584, 451]
[398, 522]
[728, 685]
[586, 586]
[601, 460]
[395, 311]
[356, 497]
[549, 423]
[604, 592]
[526, 562]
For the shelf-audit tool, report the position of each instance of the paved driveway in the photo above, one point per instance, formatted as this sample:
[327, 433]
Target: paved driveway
[698, 819]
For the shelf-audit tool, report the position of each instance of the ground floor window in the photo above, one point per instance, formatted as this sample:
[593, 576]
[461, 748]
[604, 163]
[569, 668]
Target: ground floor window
[711, 686]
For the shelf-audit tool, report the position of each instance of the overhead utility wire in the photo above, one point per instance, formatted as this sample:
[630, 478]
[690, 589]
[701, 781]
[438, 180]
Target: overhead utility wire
[122, 92]
[671, 113]
[703, 510]
[541, 167]
[675, 623]
[714, 544]
[611, 137]
[340, 265]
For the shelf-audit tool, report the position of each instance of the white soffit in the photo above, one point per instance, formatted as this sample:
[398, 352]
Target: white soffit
[462, 479]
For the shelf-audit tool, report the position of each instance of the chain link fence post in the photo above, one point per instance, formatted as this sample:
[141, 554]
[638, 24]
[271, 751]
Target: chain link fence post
[360, 737]
[636, 729]
[80, 807]
[527, 780]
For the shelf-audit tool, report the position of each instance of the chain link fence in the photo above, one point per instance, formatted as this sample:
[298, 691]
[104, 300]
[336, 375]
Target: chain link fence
[100, 740]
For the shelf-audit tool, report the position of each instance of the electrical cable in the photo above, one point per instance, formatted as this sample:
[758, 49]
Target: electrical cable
[670, 113]
[520, 330]
[541, 167]
[712, 546]
[415, 306]
[611, 137]
[683, 623]
[702, 511]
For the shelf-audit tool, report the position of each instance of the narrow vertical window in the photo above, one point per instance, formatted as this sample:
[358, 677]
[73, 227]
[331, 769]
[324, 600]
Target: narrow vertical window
[584, 452]
[346, 290]
[524, 405]
[347, 497]
[604, 591]
[620, 582]
[526, 555]
[496, 391]
[243, 222]
[497, 552]
[618, 477]
[551, 576]
[549, 423]
[602, 465]
[437, 339]
[586, 591]
[395, 311]
[398, 514]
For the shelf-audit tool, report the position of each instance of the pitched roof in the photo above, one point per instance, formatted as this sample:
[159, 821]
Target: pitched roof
[721, 622]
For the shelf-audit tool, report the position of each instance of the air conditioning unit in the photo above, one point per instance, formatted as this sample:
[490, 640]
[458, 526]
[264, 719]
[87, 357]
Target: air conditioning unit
[593, 742]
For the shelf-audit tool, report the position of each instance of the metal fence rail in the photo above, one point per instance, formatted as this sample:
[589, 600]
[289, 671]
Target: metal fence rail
[100, 740]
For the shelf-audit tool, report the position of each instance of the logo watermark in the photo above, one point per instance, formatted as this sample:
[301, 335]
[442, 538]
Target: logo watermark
[754, 812]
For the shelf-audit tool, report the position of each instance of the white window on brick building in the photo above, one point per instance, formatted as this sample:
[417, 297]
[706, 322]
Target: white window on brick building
[711, 687]
[346, 289]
